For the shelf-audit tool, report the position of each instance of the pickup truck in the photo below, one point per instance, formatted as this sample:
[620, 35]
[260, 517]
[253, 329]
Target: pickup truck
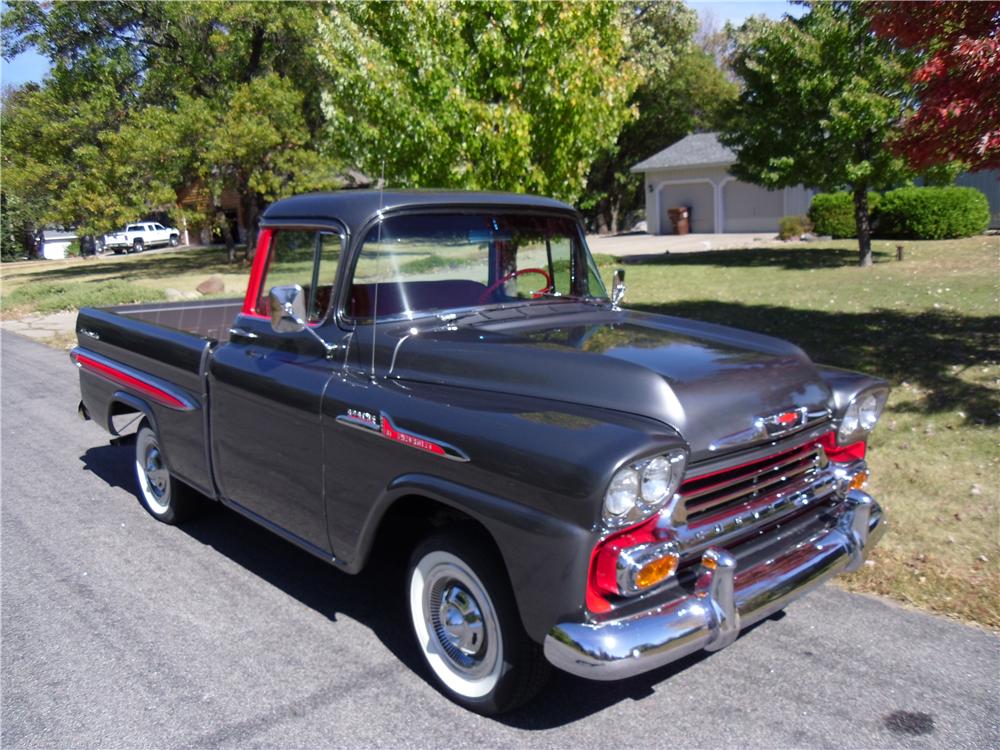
[443, 375]
[137, 237]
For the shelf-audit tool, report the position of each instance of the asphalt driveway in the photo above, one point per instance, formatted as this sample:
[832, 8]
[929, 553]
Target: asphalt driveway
[121, 632]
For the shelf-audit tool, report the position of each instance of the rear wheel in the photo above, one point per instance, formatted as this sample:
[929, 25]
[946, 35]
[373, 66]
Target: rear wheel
[138, 245]
[468, 628]
[165, 498]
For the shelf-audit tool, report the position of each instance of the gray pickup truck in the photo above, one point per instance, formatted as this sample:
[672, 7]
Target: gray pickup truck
[444, 376]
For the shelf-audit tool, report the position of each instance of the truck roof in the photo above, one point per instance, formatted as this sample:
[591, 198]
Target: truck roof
[356, 207]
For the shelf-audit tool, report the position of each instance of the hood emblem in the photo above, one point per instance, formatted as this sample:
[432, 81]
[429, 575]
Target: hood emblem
[769, 427]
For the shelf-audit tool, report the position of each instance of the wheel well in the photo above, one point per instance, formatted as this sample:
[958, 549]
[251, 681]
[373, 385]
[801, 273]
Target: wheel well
[411, 517]
[123, 427]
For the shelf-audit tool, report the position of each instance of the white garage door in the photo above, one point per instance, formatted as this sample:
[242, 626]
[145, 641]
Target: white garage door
[698, 196]
[749, 208]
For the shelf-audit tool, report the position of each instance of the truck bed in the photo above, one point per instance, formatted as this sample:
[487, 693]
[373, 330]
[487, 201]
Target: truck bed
[165, 348]
[209, 319]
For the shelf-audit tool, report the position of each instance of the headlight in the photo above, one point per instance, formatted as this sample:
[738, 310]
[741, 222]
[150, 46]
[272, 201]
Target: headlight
[861, 416]
[640, 489]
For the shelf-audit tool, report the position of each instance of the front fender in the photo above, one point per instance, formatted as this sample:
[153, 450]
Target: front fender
[546, 558]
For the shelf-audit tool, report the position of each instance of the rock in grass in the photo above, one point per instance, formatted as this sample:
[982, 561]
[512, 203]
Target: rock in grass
[211, 285]
[175, 295]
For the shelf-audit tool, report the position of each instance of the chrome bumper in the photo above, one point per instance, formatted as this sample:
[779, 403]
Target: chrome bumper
[723, 601]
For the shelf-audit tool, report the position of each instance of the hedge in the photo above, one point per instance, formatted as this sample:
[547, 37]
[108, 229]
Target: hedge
[933, 213]
[833, 214]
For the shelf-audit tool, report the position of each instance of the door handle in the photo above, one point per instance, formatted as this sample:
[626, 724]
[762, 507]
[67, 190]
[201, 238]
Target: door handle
[243, 333]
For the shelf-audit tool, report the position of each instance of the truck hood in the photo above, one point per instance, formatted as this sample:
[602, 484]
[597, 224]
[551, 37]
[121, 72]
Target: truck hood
[705, 381]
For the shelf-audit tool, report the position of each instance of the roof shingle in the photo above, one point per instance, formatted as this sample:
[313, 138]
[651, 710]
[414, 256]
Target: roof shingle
[695, 150]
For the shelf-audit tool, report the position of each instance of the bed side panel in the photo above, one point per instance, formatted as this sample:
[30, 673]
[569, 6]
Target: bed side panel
[156, 354]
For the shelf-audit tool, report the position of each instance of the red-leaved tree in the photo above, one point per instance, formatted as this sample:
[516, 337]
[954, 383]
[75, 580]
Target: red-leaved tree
[957, 85]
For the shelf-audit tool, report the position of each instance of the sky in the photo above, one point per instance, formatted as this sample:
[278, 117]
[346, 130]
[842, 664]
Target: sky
[30, 66]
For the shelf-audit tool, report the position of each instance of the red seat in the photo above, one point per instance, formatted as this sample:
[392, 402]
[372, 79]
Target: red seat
[412, 296]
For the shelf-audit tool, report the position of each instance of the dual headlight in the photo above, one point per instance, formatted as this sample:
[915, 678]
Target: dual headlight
[861, 415]
[640, 489]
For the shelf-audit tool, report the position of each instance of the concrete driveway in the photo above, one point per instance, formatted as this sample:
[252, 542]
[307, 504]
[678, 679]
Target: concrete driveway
[649, 244]
[119, 632]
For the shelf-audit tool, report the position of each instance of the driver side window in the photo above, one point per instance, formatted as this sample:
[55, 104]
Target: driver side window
[305, 257]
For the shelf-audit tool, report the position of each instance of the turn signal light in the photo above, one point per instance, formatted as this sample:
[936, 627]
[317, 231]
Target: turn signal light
[656, 571]
[859, 480]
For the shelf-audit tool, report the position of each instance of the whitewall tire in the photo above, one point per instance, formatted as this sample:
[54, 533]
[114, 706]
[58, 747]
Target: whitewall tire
[467, 626]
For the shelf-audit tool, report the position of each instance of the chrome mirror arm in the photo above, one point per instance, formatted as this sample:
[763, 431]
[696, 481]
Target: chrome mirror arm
[618, 290]
[329, 348]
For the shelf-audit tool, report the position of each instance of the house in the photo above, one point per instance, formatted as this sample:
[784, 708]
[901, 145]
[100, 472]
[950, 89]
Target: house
[694, 172]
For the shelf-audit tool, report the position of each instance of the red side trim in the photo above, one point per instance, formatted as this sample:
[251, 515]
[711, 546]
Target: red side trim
[157, 394]
[257, 273]
[414, 441]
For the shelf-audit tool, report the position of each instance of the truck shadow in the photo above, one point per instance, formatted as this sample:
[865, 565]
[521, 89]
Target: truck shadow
[367, 599]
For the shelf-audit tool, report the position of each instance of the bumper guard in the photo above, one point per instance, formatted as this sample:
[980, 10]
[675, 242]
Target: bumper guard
[723, 601]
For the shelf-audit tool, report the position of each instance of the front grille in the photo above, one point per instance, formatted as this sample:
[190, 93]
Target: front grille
[711, 496]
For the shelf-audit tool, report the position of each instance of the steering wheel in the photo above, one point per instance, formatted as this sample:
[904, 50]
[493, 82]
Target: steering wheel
[484, 297]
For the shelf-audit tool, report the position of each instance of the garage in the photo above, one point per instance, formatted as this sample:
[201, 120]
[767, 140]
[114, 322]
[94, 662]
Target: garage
[751, 208]
[698, 196]
[694, 172]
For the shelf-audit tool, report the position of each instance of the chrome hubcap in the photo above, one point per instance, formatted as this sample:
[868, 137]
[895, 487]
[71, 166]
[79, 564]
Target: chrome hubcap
[463, 627]
[461, 621]
[155, 472]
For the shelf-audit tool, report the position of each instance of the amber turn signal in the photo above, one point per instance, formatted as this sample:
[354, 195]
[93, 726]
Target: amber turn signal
[656, 571]
[858, 481]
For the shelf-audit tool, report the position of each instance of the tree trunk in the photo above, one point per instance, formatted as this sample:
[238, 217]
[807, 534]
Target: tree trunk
[615, 209]
[863, 227]
[251, 214]
[227, 234]
[602, 216]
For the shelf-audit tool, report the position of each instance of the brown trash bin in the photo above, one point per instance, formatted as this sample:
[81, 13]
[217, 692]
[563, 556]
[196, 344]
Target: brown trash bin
[680, 217]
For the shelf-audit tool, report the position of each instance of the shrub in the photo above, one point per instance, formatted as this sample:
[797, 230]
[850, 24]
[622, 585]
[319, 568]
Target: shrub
[933, 213]
[833, 214]
[793, 227]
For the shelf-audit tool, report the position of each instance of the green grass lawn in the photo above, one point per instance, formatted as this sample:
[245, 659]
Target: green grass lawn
[49, 286]
[928, 324]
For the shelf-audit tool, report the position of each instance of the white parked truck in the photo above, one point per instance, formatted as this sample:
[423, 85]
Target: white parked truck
[137, 237]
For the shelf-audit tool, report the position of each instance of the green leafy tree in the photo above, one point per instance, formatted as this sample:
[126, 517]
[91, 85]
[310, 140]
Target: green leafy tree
[478, 95]
[683, 91]
[821, 99]
[146, 98]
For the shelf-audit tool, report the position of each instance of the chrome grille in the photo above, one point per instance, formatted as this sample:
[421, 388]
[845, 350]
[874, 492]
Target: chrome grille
[709, 497]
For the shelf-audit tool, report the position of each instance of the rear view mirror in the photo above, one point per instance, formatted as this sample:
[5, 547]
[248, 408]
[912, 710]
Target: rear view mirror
[288, 308]
[288, 314]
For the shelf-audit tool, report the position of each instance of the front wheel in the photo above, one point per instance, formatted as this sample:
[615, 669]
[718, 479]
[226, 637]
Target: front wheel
[162, 495]
[468, 628]
[174, 239]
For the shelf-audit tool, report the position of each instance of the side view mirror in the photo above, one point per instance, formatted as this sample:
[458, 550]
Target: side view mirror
[288, 314]
[618, 287]
[288, 308]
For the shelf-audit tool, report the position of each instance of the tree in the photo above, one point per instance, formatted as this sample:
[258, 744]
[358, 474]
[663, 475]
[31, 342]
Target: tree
[821, 98]
[683, 91]
[957, 83]
[152, 92]
[491, 95]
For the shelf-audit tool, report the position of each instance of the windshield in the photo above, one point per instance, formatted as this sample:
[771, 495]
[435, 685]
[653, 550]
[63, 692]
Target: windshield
[413, 265]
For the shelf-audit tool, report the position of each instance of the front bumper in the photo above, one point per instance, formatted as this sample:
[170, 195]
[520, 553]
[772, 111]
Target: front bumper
[722, 602]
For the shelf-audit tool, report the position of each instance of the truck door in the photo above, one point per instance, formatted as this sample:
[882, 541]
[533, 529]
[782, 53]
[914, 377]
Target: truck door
[266, 390]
